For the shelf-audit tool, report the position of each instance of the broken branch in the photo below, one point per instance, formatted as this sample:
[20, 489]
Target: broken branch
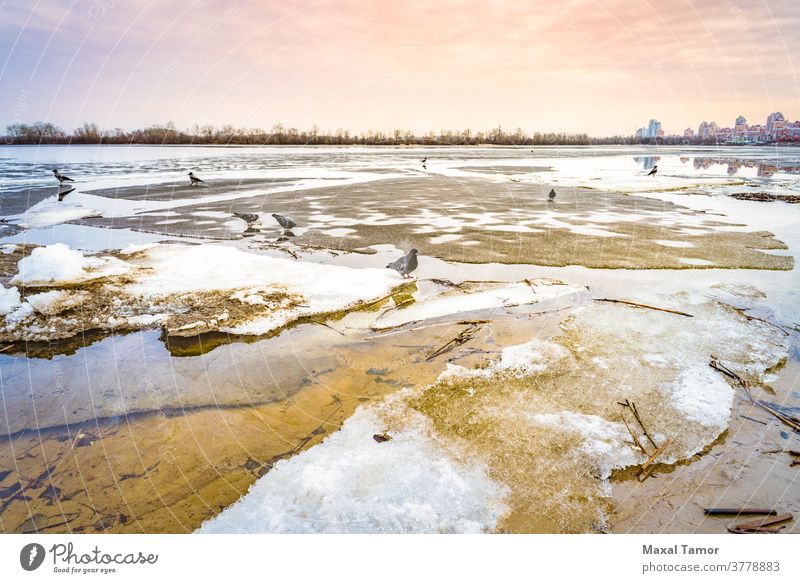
[739, 511]
[649, 307]
[649, 465]
[463, 337]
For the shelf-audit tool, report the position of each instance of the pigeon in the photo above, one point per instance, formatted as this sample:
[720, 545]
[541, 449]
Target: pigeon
[406, 264]
[249, 218]
[653, 171]
[60, 177]
[195, 180]
[284, 222]
[552, 195]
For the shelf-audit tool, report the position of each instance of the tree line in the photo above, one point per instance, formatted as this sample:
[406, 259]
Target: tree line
[90, 133]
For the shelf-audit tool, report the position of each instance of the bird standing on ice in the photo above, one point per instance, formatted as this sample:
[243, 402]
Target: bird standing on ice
[195, 180]
[249, 218]
[285, 222]
[60, 177]
[653, 171]
[552, 194]
[406, 264]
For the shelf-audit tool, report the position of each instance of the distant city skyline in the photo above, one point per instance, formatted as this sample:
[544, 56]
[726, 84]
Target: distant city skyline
[776, 128]
[572, 66]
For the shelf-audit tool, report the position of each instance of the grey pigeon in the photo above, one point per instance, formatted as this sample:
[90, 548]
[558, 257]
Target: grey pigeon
[195, 180]
[284, 222]
[406, 264]
[61, 178]
[653, 171]
[552, 195]
[248, 218]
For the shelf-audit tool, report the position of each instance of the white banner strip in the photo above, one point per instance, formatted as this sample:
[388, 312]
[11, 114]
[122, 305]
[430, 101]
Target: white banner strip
[399, 558]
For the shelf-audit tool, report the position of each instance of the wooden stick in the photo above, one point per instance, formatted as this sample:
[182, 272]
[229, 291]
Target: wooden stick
[738, 511]
[648, 466]
[632, 407]
[763, 530]
[788, 420]
[741, 312]
[759, 522]
[382, 332]
[635, 439]
[751, 419]
[328, 326]
[637, 305]
[464, 336]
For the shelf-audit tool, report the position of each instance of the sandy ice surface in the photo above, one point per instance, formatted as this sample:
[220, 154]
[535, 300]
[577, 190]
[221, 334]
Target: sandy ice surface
[415, 483]
[194, 289]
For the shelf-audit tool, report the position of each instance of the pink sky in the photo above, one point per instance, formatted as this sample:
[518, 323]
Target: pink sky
[577, 65]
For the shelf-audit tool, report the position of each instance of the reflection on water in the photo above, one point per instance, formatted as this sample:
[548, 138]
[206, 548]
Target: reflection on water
[647, 162]
[764, 169]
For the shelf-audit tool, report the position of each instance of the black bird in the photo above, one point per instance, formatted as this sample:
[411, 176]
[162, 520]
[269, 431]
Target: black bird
[248, 218]
[552, 195]
[60, 177]
[653, 171]
[64, 193]
[195, 180]
[425, 159]
[406, 264]
[284, 222]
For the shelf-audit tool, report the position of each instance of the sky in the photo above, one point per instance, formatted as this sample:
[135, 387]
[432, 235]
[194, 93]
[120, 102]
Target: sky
[602, 67]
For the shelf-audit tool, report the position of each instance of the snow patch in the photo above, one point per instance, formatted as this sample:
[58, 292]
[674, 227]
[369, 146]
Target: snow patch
[603, 440]
[58, 265]
[414, 483]
[9, 299]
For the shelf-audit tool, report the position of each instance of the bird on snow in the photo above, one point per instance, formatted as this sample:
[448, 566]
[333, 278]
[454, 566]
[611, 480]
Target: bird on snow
[284, 222]
[653, 171]
[406, 264]
[60, 177]
[248, 218]
[195, 180]
[552, 194]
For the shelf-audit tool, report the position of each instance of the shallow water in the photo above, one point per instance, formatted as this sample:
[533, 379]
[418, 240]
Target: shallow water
[116, 383]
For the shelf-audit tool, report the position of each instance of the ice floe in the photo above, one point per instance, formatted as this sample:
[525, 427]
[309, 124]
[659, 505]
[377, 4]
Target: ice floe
[414, 483]
[474, 297]
[542, 425]
[188, 289]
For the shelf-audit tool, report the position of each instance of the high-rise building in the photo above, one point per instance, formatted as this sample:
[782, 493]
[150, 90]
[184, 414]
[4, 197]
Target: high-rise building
[775, 121]
[654, 129]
